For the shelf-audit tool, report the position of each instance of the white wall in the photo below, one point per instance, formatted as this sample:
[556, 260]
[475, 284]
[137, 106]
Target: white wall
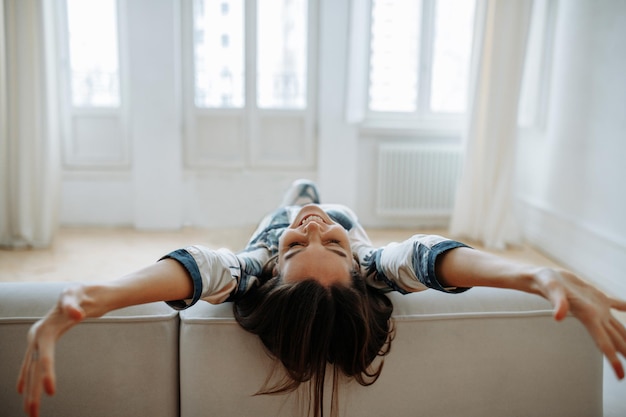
[338, 146]
[572, 190]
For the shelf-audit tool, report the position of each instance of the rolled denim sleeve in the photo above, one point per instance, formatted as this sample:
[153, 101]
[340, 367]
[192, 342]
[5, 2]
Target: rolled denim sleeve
[409, 266]
[213, 273]
[186, 260]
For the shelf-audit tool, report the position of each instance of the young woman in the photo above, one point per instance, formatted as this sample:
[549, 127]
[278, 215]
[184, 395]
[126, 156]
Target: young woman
[311, 286]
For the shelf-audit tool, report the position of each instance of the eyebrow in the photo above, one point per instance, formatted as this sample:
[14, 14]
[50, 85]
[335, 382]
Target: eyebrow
[335, 251]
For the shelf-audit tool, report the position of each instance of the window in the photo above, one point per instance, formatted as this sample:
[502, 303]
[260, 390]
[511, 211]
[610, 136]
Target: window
[282, 54]
[394, 65]
[220, 53]
[249, 71]
[93, 53]
[452, 46]
[419, 58]
[93, 105]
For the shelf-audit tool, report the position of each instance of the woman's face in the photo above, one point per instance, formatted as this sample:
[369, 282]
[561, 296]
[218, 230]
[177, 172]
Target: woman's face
[315, 247]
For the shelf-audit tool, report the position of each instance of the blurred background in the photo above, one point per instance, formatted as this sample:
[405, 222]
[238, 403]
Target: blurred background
[499, 122]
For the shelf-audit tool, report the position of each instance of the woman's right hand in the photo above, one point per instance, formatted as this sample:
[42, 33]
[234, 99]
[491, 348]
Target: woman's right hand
[37, 372]
[163, 281]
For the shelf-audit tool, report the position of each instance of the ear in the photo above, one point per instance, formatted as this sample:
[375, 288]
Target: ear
[275, 268]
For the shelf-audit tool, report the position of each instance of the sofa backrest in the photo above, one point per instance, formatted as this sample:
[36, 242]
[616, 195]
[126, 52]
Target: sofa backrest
[484, 352]
[123, 364]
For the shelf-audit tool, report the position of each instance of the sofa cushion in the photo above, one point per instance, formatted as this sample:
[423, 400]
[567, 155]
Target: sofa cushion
[125, 363]
[487, 352]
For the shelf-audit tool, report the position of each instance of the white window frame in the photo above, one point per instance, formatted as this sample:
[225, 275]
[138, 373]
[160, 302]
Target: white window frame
[420, 122]
[89, 149]
[248, 137]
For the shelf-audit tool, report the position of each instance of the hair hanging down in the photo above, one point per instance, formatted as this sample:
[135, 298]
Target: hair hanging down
[307, 326]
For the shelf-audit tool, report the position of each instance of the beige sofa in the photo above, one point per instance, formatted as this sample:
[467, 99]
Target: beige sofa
[483, 353]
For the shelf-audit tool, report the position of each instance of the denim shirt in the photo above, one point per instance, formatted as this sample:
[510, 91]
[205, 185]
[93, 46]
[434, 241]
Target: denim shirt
[220, 275]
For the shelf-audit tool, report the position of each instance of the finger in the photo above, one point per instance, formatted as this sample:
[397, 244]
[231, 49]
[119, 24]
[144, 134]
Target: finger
[33, 387]
[618, 368]
[21, 380]
[619, 327]
[606, 346]
[617, 304]
[616, 331]
[558, 298]
[561, 309]
[76, 313]
[26, 362]
[554, 292]
[46, 362]
[71, 307]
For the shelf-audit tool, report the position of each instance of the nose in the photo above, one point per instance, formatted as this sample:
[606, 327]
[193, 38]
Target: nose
[313, 230]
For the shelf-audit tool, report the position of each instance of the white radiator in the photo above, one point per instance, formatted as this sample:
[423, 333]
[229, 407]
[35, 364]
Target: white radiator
[417, 180]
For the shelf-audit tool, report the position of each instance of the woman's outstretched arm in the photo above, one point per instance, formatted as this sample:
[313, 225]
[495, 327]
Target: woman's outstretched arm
[164, 281]
[464, 267]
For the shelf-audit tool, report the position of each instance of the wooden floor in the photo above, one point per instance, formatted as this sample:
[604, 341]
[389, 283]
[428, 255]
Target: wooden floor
[91, 254]
[100, 254]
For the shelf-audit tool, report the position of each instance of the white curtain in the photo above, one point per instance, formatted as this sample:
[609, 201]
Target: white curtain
[483, 210]
[29, 149]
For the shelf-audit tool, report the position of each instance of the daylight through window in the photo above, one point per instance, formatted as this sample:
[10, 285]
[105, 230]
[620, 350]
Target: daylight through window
[420, 55]
[220, 53]
[282, 53]
[93, 53]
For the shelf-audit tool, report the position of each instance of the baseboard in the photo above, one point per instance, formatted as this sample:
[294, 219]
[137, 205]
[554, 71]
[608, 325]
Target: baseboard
[595, 255]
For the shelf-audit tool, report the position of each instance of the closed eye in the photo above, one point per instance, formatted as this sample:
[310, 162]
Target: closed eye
[328, 242]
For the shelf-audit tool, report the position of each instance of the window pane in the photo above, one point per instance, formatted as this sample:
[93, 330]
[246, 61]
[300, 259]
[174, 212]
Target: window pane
[394, 55]
[454, 26]
[94, 64]
[282, 53]
[219, 53]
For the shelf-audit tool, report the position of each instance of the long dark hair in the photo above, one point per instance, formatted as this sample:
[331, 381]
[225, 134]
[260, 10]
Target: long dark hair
[307, 326]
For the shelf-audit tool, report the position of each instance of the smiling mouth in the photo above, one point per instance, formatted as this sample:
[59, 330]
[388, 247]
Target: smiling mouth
[312, 217]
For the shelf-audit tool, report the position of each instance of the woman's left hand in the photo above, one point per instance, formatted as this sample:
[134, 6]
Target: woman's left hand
[568, 293]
